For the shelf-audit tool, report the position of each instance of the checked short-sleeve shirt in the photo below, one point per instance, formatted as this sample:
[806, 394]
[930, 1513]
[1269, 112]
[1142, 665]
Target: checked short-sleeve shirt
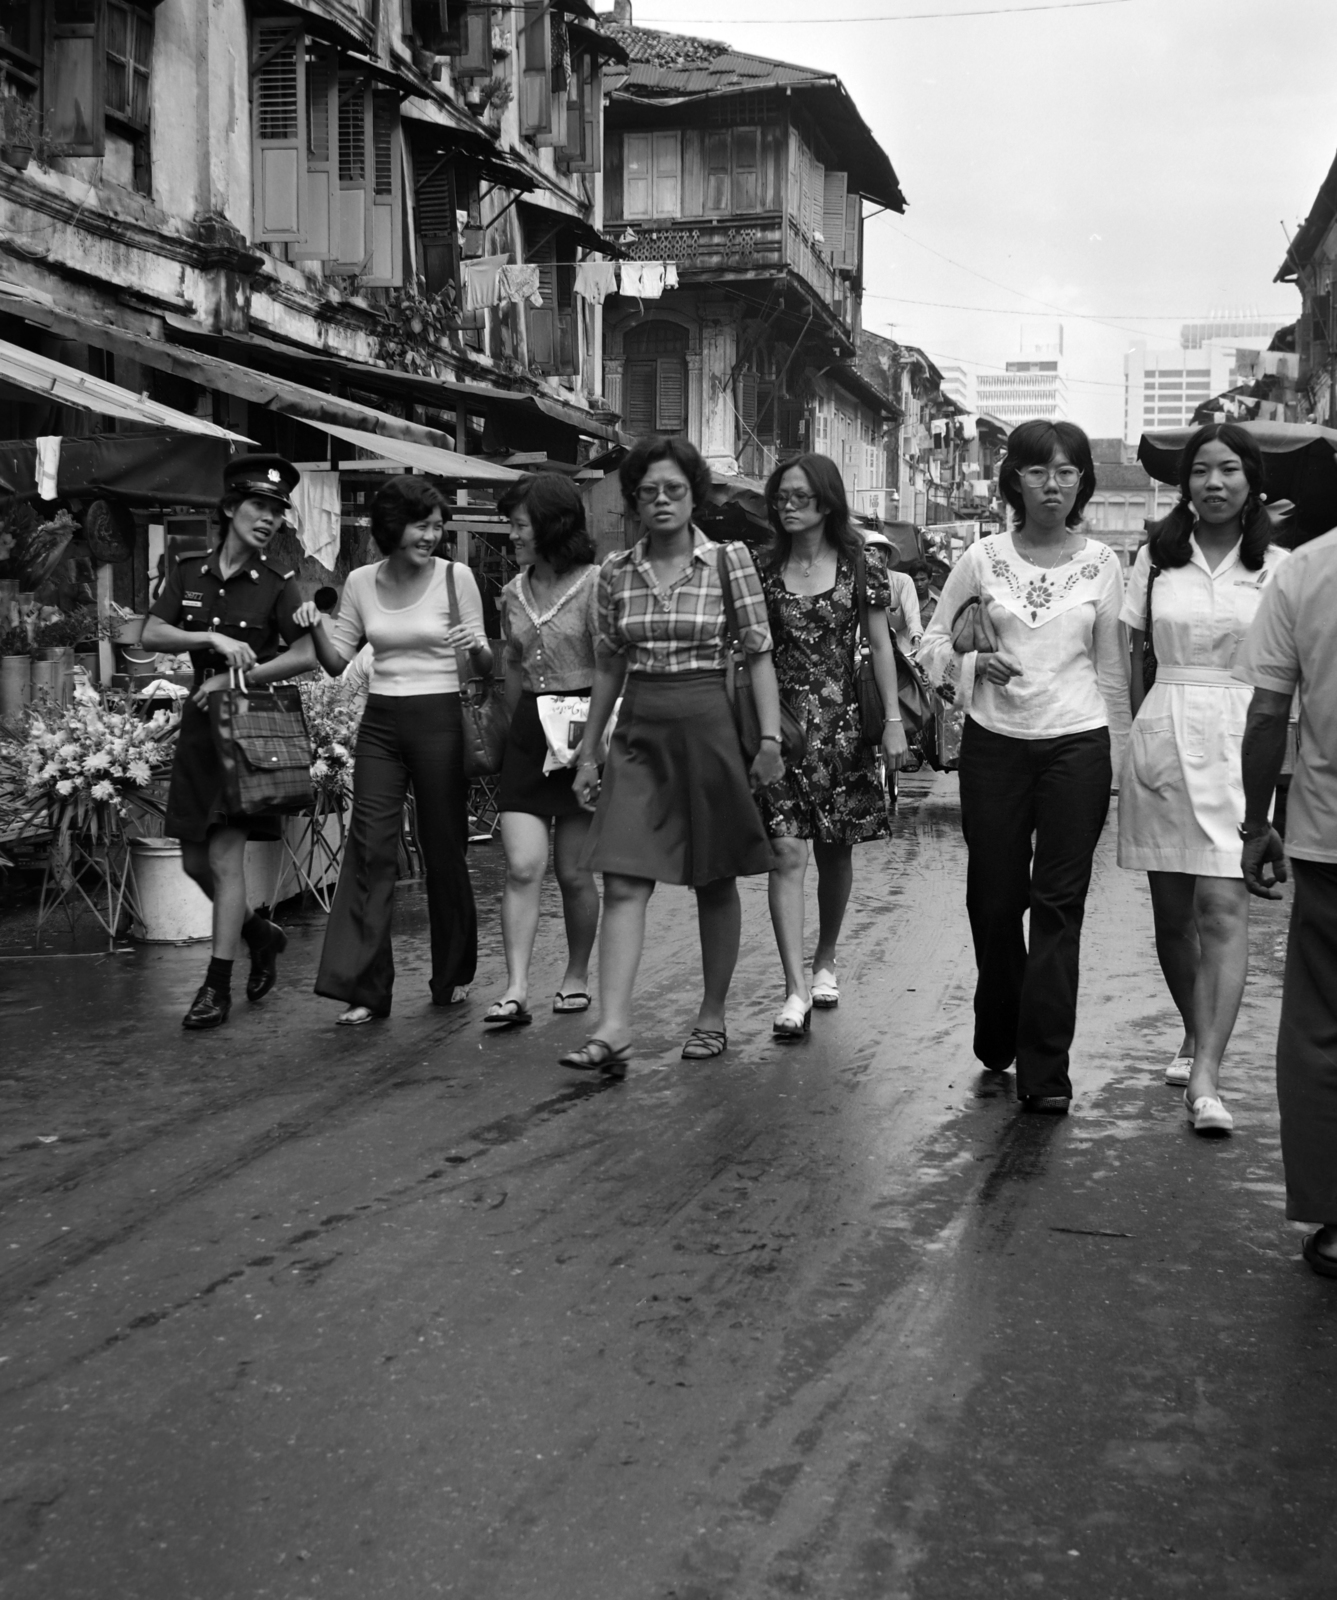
[680, 628]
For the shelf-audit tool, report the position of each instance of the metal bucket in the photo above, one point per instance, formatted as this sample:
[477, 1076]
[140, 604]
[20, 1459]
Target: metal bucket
[173, 909]
[15, 684]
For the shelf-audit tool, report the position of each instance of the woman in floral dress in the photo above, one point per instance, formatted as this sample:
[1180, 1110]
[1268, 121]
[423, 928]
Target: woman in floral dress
[833, 795]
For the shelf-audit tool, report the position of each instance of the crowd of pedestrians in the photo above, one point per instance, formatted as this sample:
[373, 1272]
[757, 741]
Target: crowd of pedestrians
[689, 713]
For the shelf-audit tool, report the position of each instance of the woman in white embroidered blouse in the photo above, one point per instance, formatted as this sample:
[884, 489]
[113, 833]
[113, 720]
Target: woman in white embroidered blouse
[549, 620]
[1027, 638]
[1181, 799]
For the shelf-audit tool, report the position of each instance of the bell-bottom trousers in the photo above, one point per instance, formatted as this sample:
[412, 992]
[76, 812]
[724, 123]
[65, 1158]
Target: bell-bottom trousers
[403, 739]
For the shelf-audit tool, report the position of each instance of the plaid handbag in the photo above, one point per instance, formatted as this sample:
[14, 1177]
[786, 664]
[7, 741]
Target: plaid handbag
[263, 747]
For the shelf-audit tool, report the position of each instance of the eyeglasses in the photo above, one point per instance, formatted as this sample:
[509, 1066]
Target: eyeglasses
[648, 493]
[1037, 477]
[796, 498]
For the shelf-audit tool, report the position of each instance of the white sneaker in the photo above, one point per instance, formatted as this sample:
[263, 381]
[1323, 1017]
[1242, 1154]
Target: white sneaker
[1208, 1114]
[1179, 1071]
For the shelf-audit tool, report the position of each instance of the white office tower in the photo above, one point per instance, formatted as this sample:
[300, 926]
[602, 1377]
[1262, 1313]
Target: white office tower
[1163, 388]
[1033, 386]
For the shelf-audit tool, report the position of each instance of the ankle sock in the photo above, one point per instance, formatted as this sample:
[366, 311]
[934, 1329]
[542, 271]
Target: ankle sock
[219, 975]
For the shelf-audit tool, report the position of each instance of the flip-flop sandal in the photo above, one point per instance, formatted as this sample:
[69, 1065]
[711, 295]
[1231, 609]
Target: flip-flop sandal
[348, 1020]
[507, 1014]
[705, 1043]
[576, 1000]
[597, 1055]
[1325, 1266]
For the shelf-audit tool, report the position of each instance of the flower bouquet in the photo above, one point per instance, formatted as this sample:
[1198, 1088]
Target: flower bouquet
[332, 716]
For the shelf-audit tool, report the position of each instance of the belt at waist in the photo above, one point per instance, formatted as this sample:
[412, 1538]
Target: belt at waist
[1202, 677]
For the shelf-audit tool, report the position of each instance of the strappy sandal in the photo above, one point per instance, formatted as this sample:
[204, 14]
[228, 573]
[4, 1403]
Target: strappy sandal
[355, 1016]
[575, 1000]
[705, 1043]
[503, 1014]
[793, 1019]
[597, 1055]
[825, 990]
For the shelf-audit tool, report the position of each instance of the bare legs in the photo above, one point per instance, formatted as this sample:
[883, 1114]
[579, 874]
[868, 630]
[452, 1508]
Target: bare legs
[219, 867]
[1202, 939]
[525, 840]
[622, 936]
[835, 878]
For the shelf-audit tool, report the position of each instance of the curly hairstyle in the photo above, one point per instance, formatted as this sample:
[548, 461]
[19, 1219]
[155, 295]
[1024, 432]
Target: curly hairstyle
[1032, 444]
[664, 447]
[398, 502]
[827, 485]
[1170, 546]
[557, 516]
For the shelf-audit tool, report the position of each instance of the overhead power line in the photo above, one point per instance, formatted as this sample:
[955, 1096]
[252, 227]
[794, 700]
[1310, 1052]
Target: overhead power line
[1080, 316]
[899, 16]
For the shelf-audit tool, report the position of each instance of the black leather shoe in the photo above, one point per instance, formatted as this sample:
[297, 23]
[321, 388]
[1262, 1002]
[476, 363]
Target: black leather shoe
[209, 1009]
[265, 961]
[1053, 1105]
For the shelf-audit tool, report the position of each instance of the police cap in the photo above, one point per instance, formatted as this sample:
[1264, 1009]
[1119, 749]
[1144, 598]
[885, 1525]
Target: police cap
[272, 477]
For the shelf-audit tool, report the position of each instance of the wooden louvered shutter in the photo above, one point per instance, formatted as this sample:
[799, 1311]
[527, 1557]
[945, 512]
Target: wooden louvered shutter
[816, 196]
[322, 182]
[350, 232]
[437, 230]
[636, 182]
[74, 94]
[385, 221]
[667, 174]
[834, 196]
[475, 43]
[536, 68]
[746, 169]
[671, 393]
[639, 392]
[717, 173]
[278, 121]
[853, 225]
[747, 399]
[542, 320]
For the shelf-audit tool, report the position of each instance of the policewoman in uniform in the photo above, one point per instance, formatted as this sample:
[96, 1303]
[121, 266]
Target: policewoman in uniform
[229, 609]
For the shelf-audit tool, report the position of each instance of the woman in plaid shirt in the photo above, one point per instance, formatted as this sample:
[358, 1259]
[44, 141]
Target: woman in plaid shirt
[675, 804]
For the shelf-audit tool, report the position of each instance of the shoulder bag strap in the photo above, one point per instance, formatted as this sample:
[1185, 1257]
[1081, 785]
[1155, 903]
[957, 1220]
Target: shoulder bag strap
[861, 596]
[1148, 644]
[463, 666]
[726, 589]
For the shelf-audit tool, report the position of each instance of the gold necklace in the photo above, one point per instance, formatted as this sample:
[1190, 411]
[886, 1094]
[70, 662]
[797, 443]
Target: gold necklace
[806, 566]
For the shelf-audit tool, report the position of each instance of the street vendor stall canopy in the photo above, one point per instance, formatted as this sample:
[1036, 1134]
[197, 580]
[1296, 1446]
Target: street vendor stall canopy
[53, 380]
[1299, 459]
[425, 457]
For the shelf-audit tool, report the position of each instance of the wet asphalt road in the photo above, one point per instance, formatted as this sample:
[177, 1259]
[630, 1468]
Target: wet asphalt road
[397, 1312]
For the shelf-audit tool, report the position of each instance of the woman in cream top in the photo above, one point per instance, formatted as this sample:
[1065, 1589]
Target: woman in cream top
[419, 614]
[1181, 797]
[1027, 638]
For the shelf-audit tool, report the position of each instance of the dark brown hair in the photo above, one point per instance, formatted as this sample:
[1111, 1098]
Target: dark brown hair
[1170, 546]
[398, 502]
[1032, 444]
[557, 516]
[827, 485]
[664, 447]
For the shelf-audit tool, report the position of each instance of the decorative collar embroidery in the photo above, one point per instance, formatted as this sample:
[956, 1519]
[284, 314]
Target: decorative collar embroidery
[526, 600]
[1039, 594]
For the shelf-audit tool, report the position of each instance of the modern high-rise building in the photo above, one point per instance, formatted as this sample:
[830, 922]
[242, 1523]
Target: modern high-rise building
[956, 383]
[1163, 388]
[1032, 387]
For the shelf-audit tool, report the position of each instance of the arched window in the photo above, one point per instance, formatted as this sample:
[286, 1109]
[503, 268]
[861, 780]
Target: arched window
[654, 379]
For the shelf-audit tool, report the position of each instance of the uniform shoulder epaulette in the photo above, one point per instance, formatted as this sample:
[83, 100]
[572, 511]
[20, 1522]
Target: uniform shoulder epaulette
[292, 573]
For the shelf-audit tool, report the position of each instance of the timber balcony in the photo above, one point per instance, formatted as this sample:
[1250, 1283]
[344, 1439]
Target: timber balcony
[752, 244]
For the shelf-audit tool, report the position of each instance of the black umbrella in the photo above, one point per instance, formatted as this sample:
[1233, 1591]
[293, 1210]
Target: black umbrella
[1300, 459]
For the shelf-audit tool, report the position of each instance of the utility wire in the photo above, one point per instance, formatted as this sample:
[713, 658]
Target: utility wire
[899, 16]
[1080, 316]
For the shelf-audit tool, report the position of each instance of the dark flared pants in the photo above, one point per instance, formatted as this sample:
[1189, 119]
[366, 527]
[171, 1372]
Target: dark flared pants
[1055, 792]
[410, 739]
[1307, 1047]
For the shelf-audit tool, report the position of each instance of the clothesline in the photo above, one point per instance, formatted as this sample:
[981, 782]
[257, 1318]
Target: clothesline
[492, 281]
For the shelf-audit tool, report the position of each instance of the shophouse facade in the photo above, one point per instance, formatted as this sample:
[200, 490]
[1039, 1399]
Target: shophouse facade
[737, 187]
[1311, 265]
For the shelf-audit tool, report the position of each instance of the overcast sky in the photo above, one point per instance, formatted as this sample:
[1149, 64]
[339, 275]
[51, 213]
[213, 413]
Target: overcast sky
[1131, 161]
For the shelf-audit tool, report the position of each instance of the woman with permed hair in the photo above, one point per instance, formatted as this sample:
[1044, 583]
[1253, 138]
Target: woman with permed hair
[419, 613]
[673, 803]
[1195, 587]
[549, 622]
[1027, 638]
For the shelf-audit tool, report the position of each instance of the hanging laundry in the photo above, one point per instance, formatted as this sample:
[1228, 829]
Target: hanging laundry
[519, 284]
[644, 279]
[48, 465]
[481, 281]
[596, 280]
[315, 502]
[670, 275]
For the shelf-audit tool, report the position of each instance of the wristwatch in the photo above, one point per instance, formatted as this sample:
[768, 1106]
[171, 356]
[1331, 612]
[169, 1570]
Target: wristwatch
[1256, 832]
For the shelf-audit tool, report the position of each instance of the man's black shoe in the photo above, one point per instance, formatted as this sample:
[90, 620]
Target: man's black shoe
[265, 953]
[209, 1009]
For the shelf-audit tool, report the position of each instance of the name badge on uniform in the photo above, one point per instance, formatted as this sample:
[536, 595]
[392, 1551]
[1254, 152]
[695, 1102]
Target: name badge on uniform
[189, 602]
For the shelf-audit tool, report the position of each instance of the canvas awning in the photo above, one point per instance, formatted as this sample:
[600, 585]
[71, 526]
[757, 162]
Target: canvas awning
[427, 458]
[53, 380]
[145, 469]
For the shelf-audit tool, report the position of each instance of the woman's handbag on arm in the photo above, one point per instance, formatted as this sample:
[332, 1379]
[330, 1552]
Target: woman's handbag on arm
[485, 718]
[264, 749]
[738, 686]
[916, 702]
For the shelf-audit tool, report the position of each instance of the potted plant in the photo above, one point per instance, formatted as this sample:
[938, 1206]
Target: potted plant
[15, 670]
[22, 130]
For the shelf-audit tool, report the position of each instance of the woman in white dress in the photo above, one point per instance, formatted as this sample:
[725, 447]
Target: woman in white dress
[1181, 800]
[1026, 638]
